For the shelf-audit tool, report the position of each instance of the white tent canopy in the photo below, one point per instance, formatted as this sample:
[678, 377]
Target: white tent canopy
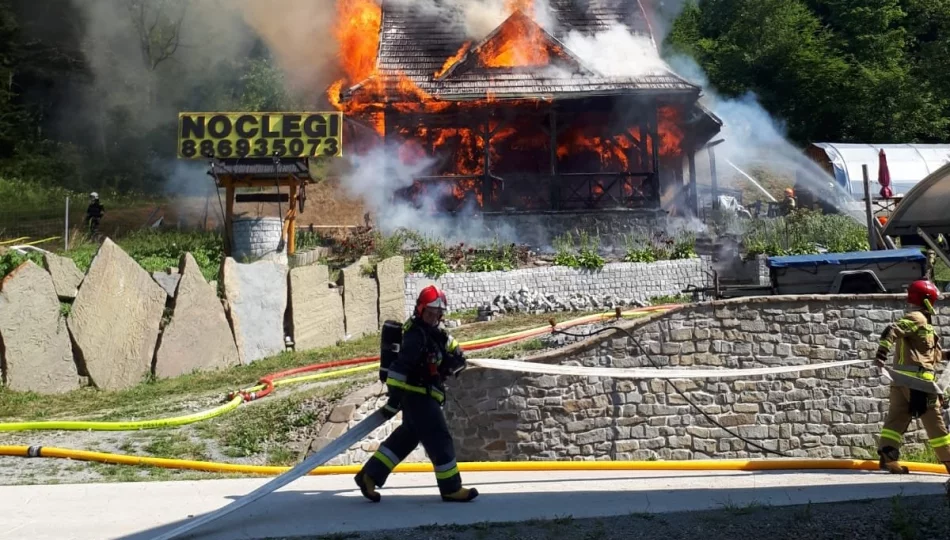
[907, 163]
[927, 206]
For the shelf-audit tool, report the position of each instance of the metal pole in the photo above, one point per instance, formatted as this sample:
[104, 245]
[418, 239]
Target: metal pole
[66, 235]
[872, 241]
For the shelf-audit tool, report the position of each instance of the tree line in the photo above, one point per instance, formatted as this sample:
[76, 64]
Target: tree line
[870, 71]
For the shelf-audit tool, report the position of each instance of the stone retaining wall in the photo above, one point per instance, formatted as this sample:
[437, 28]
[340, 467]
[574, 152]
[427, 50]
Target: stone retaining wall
[500, 415]
[636, 281]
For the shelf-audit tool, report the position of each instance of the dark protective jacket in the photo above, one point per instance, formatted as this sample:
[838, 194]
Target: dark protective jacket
[427, 356]
[95, 210]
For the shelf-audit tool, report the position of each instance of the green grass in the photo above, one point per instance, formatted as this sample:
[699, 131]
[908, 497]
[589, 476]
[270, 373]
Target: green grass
[267, 426]
[176, 446]
[157, 398]
[941, 272]
[155, 251]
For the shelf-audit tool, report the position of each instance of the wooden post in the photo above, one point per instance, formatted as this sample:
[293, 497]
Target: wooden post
[693, 182]
[872, 240]
[555, 183]
[228, 216]
[292, 220]
[714, 177]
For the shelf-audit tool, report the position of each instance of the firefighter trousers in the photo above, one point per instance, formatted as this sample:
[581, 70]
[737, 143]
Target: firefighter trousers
[903, 408]
[422, 422]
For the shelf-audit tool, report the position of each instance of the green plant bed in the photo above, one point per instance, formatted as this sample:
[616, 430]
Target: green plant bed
[802, 233]
[157, 250]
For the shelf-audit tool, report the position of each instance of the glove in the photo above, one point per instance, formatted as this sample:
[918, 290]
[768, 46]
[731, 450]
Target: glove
[881, 358]
[454, 365]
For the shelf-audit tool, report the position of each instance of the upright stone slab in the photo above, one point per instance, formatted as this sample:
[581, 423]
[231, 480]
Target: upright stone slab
[36, 349]
[115, 319]
[391, 278]
[316, 309]
[66, 276]
[360, 295]
[256, 296]
[198, 337]
[168, 282]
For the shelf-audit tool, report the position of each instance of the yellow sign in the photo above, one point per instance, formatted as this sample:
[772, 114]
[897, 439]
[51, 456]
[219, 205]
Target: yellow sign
[259, 135]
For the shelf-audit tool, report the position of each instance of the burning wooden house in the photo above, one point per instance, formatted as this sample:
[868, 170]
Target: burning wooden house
[515, 121]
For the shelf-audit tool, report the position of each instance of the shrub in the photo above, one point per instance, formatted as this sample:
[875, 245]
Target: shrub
[805, 232]
[429, 261]
[585, 256]
[11, 260]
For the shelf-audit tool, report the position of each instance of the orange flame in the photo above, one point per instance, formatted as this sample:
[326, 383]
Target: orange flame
[671, 135]
[453, 60]
[357, 33]
[520, 42]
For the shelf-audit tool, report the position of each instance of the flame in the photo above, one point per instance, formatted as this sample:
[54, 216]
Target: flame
[357, 32]
[453, 60]
[671, 135]
[520, 42]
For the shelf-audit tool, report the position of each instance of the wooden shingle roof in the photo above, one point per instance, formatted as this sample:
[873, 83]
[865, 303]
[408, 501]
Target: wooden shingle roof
[416, 45]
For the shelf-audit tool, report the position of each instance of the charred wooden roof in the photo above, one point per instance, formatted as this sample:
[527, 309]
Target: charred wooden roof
[416, 44]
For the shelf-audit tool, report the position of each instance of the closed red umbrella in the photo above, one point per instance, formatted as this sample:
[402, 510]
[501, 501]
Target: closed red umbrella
[884, 176]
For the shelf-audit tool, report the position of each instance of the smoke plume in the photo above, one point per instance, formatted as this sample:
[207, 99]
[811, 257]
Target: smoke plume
[480, 17]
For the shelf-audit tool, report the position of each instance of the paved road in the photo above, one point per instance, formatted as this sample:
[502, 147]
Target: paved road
[332, 504]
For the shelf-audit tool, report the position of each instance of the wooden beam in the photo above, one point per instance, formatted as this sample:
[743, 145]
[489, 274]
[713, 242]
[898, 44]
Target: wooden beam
[229, 218]
[292, 221]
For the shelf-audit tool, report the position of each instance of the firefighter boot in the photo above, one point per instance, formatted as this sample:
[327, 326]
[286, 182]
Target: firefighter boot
[889, 460]
[367, 486]
[462, 495]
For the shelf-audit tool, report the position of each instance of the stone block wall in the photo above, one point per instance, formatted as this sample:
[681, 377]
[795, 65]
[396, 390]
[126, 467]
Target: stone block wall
[636, 281]
[307, 258]
[837, 413]
[831, 413]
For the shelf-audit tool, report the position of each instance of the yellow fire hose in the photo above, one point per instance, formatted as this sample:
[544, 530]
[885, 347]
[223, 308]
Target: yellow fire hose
[176, 421]
[236, 401]
[480, 466]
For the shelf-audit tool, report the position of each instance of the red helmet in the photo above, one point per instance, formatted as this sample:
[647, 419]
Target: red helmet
[431, 297]
[922, 290]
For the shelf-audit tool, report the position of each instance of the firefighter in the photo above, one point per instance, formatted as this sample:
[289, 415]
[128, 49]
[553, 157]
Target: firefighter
[917, 354]
[94, 213]
[789, 203]
[415, 381]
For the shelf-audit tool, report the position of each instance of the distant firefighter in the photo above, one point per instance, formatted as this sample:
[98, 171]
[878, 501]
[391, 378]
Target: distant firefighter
[789, 204]
[94, 213]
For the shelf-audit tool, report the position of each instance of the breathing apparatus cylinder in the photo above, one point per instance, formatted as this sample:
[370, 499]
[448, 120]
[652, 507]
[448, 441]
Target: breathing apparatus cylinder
[390, 340]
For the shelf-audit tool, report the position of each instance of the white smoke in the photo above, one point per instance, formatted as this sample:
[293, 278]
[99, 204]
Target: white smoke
[616, 52]
[378, 174]
[754, 139]
[480, 17]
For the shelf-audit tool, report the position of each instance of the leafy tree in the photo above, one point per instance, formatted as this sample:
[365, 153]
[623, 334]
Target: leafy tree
[851, 70]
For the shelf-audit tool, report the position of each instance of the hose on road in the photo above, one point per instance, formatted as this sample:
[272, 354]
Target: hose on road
[480, 466]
